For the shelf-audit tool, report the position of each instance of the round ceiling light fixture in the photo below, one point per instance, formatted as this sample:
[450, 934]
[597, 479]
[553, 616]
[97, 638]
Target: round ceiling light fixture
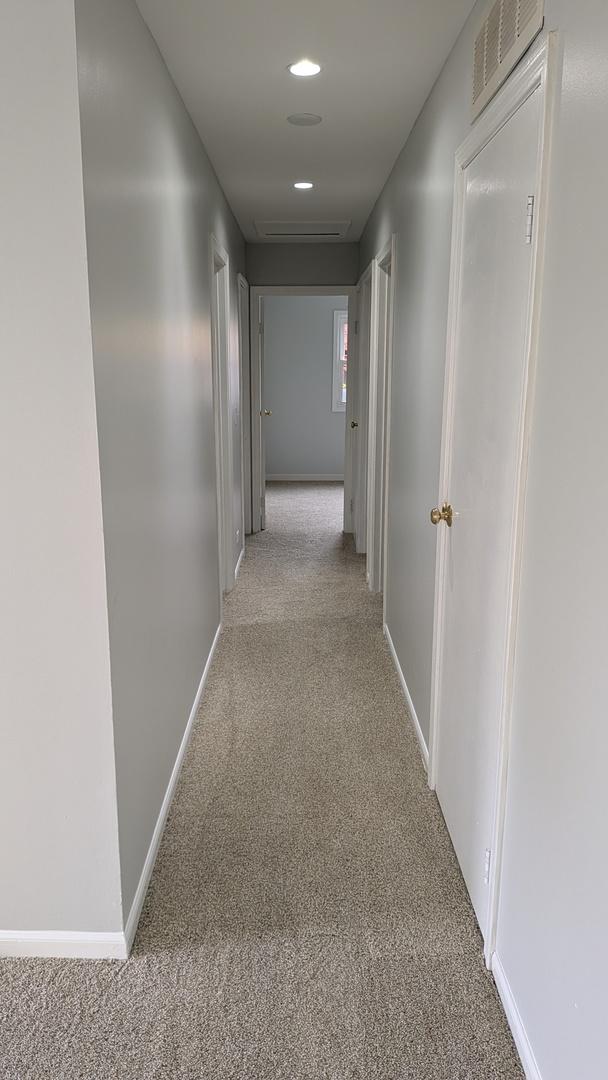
[303, 185]
[304, 119]
[304, 69]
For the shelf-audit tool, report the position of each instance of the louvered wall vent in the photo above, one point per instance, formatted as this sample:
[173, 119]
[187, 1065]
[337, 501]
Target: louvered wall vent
[505, 34]
[302, 230]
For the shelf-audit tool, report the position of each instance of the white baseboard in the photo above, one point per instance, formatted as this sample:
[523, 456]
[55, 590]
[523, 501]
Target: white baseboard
[301, 477]
[520, 1035]
[148, 867]
[73, 944]
[107, 946]
[424, 750]
[238, 563]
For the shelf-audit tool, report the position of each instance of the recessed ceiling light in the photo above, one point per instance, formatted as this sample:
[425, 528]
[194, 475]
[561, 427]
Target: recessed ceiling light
[303, 185]
[304, 119]
[304, 68]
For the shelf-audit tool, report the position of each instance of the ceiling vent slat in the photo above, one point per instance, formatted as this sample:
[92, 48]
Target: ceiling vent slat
[493, 40]
[479, 66]
[508, 28]
[527, 11]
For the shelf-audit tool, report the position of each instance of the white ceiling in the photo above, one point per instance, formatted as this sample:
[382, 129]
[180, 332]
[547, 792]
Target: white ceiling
[380, 59]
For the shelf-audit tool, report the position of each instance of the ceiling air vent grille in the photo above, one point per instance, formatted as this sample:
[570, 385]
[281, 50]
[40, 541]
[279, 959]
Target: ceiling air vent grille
[506, 32]
[302, 230]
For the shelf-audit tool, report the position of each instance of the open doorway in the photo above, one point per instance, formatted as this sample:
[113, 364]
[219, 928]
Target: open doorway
[369, 378]
[300, 350]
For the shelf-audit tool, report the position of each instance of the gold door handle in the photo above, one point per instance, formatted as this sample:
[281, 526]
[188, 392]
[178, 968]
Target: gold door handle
[445, 514]
[354, 423]
[267, 412]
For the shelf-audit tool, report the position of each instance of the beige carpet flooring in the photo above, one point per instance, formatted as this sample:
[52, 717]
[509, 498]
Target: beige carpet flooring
[306, 919]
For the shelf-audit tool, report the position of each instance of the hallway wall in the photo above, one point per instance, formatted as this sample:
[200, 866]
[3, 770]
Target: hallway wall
[151, 201]
[58, 829]
[302, 264]
[416, 204]
[551, 942]
[303, 436]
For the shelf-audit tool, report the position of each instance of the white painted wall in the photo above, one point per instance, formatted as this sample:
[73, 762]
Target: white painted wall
[302, 264]
[151, 201]
[303, 435]
[552, 940]
[58, 829]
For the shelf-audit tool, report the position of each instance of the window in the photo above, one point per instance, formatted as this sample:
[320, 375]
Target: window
[340, 365]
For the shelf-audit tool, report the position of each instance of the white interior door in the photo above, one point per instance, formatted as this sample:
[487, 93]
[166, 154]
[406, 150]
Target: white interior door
[352, 410]
[484, 422]
[264, 414]
[225, 397]
[258, 467]
[380, 353]
[245, 373]
[364, 307]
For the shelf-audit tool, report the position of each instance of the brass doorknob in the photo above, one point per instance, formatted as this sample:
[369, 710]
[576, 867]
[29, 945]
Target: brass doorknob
[354, 423]
[445, 514]
[267, 412]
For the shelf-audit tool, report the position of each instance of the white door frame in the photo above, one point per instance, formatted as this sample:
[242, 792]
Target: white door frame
[390, 253]
[359, 444]
[538, 71]
[380, 362]
[256, 335]
[245, 375]
[352, 388]
[257, 294]
[220, 345]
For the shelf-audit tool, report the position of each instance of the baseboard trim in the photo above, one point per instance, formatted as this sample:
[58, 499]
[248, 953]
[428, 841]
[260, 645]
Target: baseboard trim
[302, 477]
[146, 874]
[518, 1031]
[70, 944]
[408, 698]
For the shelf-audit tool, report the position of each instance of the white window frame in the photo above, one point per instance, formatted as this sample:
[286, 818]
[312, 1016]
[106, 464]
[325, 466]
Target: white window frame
[340, 320]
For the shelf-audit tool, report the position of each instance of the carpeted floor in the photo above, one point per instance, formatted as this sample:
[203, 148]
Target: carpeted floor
[306, 919]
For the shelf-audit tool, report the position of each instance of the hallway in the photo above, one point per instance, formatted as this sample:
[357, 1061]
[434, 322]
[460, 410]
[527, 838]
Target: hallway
[306, 917]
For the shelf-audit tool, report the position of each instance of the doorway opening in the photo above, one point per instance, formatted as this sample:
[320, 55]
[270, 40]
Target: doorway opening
[380, 356]
[300, 381]
[371, 414]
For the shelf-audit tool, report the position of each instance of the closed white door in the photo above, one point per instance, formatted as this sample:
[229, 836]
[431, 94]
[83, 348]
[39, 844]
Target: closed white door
[362, 418]
[482, 486]
[264, 417]
[380, 354]
[245, 377]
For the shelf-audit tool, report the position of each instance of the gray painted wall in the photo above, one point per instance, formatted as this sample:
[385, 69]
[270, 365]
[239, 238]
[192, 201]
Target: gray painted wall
[151, 201]
[58, 829]
[417, 205]
[303, 435]
[302, 264]
[552, 941]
